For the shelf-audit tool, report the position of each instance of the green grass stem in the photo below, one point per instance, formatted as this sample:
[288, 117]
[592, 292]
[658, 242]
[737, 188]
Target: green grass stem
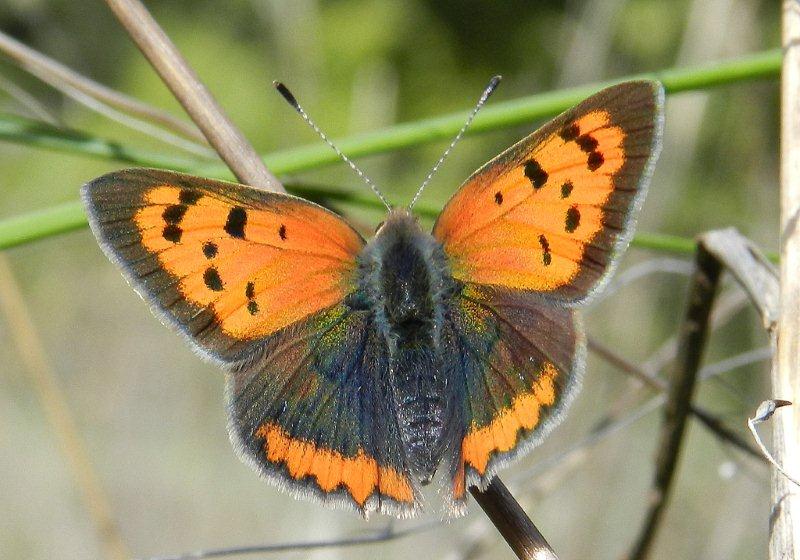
[39, 224]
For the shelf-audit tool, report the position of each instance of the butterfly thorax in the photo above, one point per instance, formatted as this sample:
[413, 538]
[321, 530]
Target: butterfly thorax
[406, 284]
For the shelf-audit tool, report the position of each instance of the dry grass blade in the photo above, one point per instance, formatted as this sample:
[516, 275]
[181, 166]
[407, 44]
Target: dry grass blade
[56, 74]
[28, 101]
[58, 415]
[389, 534]
[137, 124]
[709, 420]
[750, 268]
[784, 537]
[764, 413]
[728, 304]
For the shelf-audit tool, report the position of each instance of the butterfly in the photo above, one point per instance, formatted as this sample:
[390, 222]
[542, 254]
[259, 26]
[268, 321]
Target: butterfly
[357, 370]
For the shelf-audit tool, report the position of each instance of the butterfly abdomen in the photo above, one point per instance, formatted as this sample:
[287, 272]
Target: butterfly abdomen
[420, 388]
[405, 282]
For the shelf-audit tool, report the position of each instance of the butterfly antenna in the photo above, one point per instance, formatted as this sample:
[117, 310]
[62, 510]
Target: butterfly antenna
[292, 100]
[484, 96]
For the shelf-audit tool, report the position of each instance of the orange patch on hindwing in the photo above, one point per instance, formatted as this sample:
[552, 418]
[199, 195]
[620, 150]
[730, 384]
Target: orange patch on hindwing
[502, 434]
[258, 269]
[360, 475]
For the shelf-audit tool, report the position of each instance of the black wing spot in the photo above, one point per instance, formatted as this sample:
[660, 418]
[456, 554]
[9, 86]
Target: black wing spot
[498, 198]
[210, 249]
[189, 197]
[250, 292]
[212, 279]
[173, 214]
[595, 160]
[535, 173]
[172, 233]
[547, 258]
[566, 189]
[573, 219]
[237, 219]
[587, 143]
[570, 132]
[282, 232]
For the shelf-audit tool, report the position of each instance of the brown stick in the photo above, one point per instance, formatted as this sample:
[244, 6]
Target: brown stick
[198, 102]
[707, 419]
[784, 538]
[513, 523]
[691, 344]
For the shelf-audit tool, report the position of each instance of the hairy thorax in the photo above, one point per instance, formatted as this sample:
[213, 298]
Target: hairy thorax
[406, 285]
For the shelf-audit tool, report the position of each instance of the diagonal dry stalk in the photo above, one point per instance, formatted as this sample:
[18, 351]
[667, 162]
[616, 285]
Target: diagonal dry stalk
[207, 114]
[58, 76]
[58, 414]
[512, 522]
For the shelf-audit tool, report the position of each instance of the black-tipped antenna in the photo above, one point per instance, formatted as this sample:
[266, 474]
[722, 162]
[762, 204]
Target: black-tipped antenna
[292, 100]
[484, 96]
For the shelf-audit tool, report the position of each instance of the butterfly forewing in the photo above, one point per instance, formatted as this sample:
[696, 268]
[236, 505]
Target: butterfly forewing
[551, 213]
[227, 264]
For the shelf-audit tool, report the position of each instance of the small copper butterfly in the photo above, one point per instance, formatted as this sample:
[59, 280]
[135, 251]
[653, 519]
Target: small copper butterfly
[358, 369]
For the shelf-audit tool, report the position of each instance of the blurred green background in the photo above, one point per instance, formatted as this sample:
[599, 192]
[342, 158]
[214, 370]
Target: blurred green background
[151, 413]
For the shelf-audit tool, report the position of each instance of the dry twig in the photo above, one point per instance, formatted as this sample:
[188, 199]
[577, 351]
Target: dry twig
[510, 519]
[691, 344]
[204, 110]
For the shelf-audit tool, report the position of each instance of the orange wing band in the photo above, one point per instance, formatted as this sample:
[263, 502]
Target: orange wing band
[502, 434]
[360, 475]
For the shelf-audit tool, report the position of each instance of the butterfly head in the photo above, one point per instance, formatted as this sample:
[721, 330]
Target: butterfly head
[398, 219]
[401, 271]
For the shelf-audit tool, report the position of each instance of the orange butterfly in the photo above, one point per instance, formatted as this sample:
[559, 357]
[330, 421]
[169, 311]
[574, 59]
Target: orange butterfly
[356, 369]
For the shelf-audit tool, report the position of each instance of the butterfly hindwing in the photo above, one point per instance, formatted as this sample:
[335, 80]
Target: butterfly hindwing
[517, 363]
[311, 411]
[227, 264]
[551, 213]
